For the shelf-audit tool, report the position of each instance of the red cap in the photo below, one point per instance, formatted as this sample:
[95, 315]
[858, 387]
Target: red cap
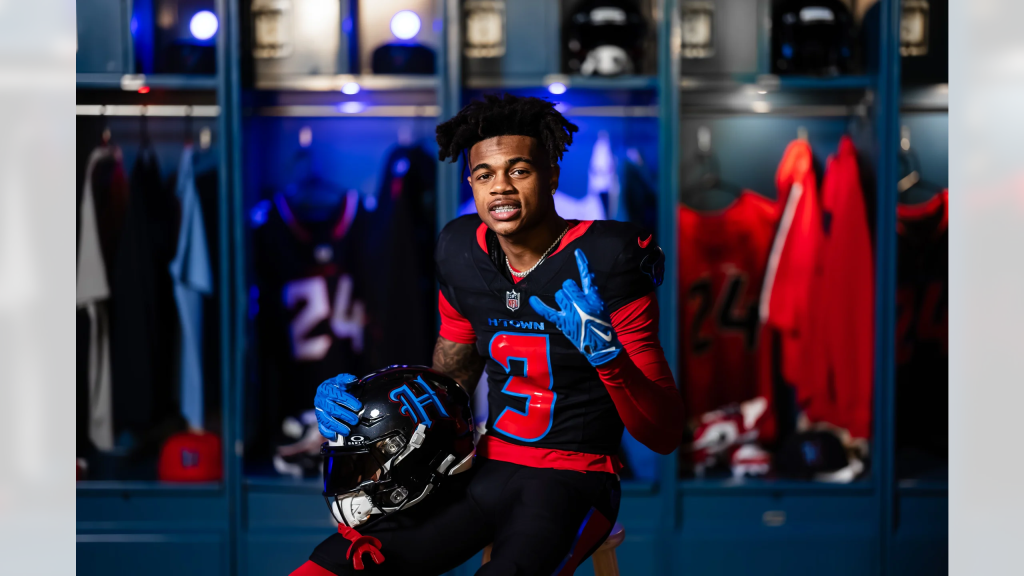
[191, 457]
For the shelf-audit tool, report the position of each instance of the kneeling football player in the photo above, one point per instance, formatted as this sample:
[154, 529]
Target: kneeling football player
[563, 317]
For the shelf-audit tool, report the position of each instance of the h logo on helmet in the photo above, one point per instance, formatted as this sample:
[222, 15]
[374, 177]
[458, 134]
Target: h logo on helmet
[414, 406]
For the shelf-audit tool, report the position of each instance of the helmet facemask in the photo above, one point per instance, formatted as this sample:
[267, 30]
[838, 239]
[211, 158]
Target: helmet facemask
[381, 478]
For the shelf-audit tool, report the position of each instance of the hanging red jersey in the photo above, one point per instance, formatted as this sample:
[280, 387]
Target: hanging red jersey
[722, 258]
[786, 294]
[922, 319]
[839, 358]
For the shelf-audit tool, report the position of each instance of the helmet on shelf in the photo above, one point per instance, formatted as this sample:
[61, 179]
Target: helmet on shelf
[605, 38]
[814, 37]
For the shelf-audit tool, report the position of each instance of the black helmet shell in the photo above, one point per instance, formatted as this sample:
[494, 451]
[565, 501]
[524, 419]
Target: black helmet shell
[414, 429]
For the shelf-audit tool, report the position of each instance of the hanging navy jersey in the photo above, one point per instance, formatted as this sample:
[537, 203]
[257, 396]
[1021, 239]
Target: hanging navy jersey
[311, 315]
[542, 391]
[922, 312]
[400, 232]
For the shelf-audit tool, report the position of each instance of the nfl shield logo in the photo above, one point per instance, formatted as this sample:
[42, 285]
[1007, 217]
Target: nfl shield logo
[512, 300]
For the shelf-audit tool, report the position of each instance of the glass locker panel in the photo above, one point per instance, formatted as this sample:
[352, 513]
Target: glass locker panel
[149, 309]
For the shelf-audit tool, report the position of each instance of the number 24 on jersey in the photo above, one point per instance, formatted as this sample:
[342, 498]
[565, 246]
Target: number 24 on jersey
[347, 317]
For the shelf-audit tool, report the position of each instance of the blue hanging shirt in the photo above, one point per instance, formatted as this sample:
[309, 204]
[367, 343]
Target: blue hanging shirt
[193, 280]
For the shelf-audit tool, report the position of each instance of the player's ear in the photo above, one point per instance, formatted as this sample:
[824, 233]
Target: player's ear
[553, 178]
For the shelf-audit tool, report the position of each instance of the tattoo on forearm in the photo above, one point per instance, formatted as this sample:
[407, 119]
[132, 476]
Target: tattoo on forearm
[460, 361]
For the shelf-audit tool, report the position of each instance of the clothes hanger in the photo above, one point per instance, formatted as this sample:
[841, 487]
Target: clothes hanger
[311, 197]
[708, 192]
[911, 186]
[143, 127]
[104, 127]
[188, 124]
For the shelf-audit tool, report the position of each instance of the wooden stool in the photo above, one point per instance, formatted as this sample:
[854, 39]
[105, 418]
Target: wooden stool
[605, 562]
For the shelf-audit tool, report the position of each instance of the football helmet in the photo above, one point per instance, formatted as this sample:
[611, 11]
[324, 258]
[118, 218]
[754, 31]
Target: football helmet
[298, 450]
[415, 429]
[720, 433]
[605, 38]
[819, 455]
[812, 37]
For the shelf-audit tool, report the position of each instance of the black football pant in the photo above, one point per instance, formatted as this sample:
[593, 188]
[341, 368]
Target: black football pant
[541, 521]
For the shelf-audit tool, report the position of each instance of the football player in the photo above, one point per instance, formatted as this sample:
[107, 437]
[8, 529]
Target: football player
[563, 317]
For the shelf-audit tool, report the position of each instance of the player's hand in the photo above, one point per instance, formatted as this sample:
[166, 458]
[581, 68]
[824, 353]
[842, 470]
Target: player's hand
[336, 409]
[582, 317]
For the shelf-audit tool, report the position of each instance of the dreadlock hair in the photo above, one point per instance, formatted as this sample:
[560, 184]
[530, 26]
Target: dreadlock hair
[506, 115]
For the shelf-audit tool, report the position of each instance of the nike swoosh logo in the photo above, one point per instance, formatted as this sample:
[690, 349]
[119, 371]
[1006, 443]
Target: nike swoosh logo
[606, 337]
[644, 243]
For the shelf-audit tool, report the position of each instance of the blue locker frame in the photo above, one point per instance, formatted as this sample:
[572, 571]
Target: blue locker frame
[238, 526]
[122, 525]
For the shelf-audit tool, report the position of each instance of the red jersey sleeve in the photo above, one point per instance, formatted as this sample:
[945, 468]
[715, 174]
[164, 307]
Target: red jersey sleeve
[454, 326]
[640, 382]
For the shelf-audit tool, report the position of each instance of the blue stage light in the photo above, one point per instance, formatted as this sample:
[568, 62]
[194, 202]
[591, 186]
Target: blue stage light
[557, 88]
[350, 88]
[203, 25]
[405, 25]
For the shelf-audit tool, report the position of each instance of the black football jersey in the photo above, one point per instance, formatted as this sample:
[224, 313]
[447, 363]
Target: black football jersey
[542, 391]
[310, 312]
[922, 312]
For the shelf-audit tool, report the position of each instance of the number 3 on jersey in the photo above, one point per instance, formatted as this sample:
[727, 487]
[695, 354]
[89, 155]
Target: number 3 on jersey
[533, 383]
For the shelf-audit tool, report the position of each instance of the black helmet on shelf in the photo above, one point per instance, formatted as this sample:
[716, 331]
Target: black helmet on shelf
[605, 37]
[813, 37]
[415, 429]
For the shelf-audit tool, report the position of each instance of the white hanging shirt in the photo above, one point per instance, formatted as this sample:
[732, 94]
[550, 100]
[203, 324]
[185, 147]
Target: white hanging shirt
[91, 294]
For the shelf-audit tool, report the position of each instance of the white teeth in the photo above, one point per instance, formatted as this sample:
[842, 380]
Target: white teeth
[505, 209]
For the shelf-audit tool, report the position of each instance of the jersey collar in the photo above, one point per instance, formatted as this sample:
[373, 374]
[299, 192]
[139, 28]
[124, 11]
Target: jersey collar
[542, 274]
[577, 228]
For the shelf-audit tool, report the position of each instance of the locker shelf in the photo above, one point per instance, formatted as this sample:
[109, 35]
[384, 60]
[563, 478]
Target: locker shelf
[729, 486]
[773, 83]
[335, 82]
[132, 82]
[574, 81]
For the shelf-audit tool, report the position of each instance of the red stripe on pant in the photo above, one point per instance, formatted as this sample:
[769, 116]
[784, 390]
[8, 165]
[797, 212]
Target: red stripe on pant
[593, 531]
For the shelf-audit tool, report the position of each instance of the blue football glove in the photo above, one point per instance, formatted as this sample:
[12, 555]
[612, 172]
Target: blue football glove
[582, 317]
[336, 409]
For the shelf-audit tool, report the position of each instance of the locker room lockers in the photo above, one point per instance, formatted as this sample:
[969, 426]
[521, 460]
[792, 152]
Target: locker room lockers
[705, 86]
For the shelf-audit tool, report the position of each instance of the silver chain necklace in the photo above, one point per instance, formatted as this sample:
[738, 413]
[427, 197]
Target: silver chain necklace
[542, 257]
